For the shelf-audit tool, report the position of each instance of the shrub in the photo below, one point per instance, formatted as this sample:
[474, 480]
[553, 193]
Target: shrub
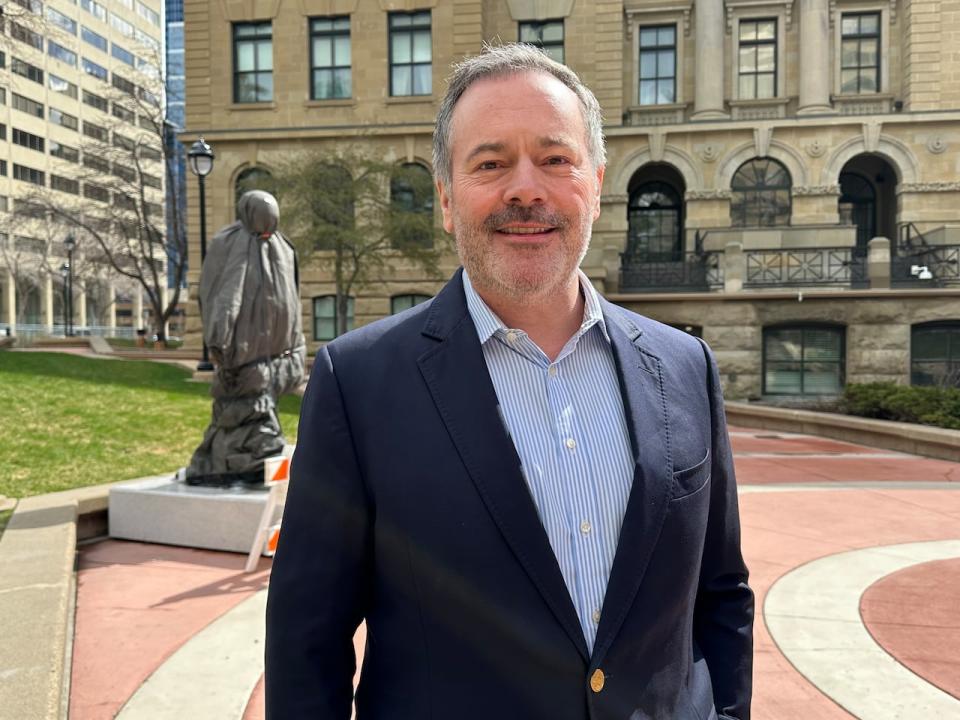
[903, 403]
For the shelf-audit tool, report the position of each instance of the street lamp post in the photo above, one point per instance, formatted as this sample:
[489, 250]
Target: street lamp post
[201, 164]
[70, 243]
[64, 273]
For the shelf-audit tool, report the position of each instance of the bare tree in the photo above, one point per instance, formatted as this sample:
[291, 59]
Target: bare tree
[357, 215]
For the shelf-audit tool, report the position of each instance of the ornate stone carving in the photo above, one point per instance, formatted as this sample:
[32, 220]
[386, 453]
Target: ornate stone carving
[707, 195]
[871, 135]
[815, 190]
[636, 14]
[816, 148]
[936, 145]
[658, 142]
[929, 187]
[762, 135]
[748, 5]
[893, 11]
[708, 152]
[614, 199]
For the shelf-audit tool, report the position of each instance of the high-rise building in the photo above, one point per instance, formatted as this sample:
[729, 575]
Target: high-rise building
[78, 102]
[782, 174]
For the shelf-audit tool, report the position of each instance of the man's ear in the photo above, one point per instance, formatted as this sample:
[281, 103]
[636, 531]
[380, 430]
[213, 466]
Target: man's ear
[445, 207]
[600, 171]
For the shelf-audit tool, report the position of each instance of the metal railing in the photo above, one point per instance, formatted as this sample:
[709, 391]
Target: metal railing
[791, 267]
[694, 272]
[926, 266]
[57, 330]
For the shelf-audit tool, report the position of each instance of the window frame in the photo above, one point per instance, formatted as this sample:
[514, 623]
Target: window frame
[314, 317]
[657, 49]
[803, 327]
[878, 68]
[415, 299]
[952, 359]
[539, 24]
[255, 39]
[314, 34]
[777, 60]
[410, 29]
[788, 188]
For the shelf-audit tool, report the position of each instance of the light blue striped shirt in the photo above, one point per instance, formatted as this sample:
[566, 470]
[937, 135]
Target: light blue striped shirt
[567, 421]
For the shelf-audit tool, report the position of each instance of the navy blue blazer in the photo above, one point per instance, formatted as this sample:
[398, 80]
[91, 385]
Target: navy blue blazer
[407, 509]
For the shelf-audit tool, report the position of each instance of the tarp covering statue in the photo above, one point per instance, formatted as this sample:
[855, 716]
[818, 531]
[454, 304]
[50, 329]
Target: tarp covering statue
[250, 306]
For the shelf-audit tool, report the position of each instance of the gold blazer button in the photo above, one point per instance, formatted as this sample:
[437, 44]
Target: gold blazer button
[597, 680]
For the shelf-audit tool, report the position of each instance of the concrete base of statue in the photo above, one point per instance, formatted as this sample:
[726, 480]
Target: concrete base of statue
[164, 510]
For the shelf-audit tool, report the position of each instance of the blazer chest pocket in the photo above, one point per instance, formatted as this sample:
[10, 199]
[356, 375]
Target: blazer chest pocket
[687, 482]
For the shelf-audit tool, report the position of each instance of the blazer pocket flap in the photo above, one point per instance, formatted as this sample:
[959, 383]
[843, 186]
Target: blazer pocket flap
[688, 481]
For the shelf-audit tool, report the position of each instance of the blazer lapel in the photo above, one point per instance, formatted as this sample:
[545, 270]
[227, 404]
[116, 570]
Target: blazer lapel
[645, 407]
[456, 374]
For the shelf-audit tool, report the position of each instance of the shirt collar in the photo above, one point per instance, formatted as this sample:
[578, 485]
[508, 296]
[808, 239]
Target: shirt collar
[488, 324]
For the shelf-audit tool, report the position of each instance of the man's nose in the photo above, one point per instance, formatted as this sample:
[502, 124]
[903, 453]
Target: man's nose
[524, 185]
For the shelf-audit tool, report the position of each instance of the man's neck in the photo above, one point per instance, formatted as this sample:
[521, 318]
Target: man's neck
[550, 320]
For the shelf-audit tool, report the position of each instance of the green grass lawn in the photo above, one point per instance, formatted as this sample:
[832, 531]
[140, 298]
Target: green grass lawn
[69, 421]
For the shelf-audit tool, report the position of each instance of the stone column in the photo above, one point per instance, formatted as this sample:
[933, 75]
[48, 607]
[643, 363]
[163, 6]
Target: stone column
[11, 290]
[814, 57]
[137, 308]
[734, 267]
[878, 263]
[112, 312]
[48, 302]
[710, 87]
[81, 304]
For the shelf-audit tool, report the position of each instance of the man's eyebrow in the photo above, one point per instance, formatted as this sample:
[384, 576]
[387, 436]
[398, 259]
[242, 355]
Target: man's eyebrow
[485, 147]
[543, 142]
[548, 142]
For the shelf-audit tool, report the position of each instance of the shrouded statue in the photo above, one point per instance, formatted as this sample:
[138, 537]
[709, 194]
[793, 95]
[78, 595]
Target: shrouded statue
[250, 306]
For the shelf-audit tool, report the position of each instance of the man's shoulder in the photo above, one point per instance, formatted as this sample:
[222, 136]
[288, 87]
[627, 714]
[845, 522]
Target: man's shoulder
[382, 339]
[652, 335]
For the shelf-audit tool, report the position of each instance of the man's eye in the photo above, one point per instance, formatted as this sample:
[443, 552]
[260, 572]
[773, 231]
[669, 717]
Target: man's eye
[557, 160]
[488, 165]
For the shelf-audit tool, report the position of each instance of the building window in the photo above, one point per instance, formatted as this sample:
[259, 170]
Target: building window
[658, 65]
[758, 59]
[3, 131]
[62, 21]
[399, 303]
[253, 178]
[28, 140]
[26, 105]
[27, 70]
[95, 39]
[655, 223]
[67, 185]
[330, 58]
[123, 55]
[64, 87]
[860, 53]
[325, 317]
[96, 192]
[91, 68]
[803, 360]
[29, 174]
[411, 204]
[95, 9]
[97, 132]
[25, 35]
[58, 117]
[61, 53]
[64, 152]
[121, 25]
[760, 194]
[411, 54]
[123, 85]
[252, 62]
[94, 100]
[935, 354]
[546, 35]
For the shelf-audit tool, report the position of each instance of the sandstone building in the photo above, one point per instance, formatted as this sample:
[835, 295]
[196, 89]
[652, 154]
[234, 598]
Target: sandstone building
[782, 175]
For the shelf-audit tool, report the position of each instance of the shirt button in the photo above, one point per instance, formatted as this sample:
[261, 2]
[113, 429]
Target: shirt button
[571, 443]
[586, 527]
[511, 337]
[597, 680]
[552, 371]
[596, 615]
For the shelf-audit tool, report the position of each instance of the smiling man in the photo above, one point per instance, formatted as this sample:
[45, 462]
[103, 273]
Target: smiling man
[526, 492]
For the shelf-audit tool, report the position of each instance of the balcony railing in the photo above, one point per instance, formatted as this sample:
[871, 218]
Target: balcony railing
[926, 266]
[695, 272]
[791, 267]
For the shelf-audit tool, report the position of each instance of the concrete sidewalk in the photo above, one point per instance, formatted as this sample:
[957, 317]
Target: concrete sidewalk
[165, 632]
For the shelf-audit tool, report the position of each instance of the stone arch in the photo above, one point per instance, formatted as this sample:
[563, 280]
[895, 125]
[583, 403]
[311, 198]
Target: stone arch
[781, 152]
[900, 157]
[678, 159]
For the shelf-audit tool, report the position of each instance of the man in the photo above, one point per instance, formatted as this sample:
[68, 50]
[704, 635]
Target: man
[525, 491]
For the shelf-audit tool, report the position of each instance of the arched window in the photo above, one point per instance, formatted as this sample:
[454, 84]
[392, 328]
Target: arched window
[803, 360]
[654, 218]
[760, 194]
[411, 203]
[253, 178]
[325, 317]
[935, 354]
[399, 303]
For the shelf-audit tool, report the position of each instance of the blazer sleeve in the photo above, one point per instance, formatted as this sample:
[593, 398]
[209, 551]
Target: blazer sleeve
[723, 615]
[319, 581]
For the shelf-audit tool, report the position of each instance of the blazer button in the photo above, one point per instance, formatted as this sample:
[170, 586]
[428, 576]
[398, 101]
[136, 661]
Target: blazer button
[597, 680]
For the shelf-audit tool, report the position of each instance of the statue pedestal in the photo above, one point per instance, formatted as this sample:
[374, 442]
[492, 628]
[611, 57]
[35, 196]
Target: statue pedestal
[162, 510]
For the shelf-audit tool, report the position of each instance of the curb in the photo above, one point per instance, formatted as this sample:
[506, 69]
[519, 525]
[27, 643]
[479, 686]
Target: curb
[37, 596]
[925, 440]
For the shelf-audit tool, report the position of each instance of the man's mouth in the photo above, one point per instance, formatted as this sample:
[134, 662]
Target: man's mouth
[525, 229]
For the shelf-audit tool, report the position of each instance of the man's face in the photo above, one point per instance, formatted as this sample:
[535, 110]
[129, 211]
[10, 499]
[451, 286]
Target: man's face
[524, 192]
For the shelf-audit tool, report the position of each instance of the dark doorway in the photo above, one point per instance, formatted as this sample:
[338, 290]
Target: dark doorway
[868, 199]
[655, 214]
